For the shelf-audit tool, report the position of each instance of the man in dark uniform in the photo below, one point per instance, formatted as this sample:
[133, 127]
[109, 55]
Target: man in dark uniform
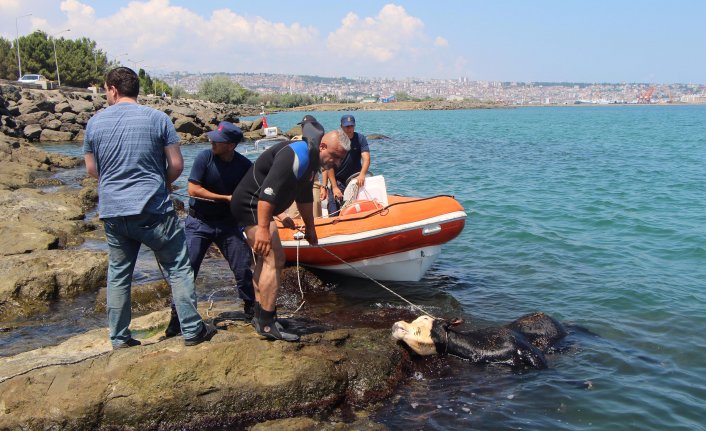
[213, 178]
[356, 162]
[284, 173]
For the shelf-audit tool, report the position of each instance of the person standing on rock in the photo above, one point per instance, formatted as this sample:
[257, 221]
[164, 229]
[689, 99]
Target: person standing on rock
[356, 162]
[212, 180]
[133, 151]
[284, 173]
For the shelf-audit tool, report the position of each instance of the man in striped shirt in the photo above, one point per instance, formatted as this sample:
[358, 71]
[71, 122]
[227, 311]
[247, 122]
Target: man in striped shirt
[134, 152]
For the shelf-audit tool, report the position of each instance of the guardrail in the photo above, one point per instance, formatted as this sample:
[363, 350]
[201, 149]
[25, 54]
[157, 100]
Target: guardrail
[51, 85]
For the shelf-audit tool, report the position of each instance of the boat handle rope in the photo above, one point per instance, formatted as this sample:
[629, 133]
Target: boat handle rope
[299, 235]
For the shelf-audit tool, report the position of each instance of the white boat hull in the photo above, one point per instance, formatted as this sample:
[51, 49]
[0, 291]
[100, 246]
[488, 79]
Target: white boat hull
[404, 266]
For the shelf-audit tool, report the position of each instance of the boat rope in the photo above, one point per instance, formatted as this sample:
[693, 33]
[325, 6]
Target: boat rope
[193, 197]
[299, 235]
[377, 282]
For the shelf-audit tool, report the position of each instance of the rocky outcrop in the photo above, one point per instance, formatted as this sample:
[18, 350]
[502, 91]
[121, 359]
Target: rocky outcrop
[29, 283]
[35, 220]
[232, 381]
[35, 224]
[21, 164]
[143, 297]
[59, 115]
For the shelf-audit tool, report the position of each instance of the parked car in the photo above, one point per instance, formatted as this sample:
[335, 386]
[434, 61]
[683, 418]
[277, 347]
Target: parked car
[31, 79]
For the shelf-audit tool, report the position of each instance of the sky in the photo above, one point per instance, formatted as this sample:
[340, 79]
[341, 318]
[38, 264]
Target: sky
[655, 41]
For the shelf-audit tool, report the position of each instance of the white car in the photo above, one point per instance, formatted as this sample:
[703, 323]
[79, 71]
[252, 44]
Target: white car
[31, 79]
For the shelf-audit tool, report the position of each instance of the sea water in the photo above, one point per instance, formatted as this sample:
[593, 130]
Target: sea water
[594, 215]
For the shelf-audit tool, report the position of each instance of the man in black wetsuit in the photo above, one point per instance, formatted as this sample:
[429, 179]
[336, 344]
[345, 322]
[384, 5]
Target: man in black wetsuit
[284, 173]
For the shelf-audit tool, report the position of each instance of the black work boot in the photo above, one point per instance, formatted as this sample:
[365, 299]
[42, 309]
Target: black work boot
[207, 332]
[173, 328]
[267, 326]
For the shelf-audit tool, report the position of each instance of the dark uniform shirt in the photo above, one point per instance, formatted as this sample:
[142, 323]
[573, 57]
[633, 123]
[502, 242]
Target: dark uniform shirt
[217, 176]
[352, 163]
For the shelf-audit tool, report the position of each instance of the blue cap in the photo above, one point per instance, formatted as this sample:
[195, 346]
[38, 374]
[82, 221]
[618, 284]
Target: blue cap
[226, 132]
[347, 120]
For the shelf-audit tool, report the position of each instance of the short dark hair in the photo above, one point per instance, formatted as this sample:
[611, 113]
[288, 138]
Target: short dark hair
[125, 80]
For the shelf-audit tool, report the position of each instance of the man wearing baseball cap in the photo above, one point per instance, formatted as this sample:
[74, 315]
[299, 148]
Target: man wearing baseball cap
[356, 162]
[214, 175]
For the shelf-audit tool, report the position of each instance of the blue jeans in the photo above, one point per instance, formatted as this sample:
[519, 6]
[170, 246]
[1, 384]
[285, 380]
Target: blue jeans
[230, 241]
[165, 236]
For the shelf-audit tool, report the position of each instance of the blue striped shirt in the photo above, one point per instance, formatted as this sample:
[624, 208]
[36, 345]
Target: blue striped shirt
[127, 141]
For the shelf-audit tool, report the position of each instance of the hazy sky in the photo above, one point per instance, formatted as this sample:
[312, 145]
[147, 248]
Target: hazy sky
[513, 40]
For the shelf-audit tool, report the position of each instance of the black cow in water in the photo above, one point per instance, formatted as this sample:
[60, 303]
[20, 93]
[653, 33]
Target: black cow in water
[520, 344]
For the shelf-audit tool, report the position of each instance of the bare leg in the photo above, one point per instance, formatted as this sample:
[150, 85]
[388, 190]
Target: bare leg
[267, 273]
[266, 281]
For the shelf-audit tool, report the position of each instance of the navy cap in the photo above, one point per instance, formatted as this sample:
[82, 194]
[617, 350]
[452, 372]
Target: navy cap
[307, 119]
[226, 132]
[347, 120]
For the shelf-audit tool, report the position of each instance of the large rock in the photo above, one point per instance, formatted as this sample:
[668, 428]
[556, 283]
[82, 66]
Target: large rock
[232, 381]
[62, 107]
[143, 297]
[181, 110]
[33, 117]
[68, 117]
[53, 124]
[49, 135]
[83, 117]
[72, 128]
[16, 238]
[256, 125]
[30, 282]
[27, 210]
[78, 106]
[187, 125]
[32, 132]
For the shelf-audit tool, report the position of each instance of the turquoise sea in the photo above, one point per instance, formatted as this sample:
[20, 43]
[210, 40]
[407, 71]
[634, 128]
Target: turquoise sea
[594, 215]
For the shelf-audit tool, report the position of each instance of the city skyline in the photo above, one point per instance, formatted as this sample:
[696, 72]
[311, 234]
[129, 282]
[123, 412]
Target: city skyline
[512, 41]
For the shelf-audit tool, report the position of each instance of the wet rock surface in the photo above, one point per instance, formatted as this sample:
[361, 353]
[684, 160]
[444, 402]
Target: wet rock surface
[30, 282]
[237, 379]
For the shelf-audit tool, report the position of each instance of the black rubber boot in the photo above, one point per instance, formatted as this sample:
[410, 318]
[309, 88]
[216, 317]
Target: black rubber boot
[173, 328]
[249, 310]
[267, 326]
[257, 309]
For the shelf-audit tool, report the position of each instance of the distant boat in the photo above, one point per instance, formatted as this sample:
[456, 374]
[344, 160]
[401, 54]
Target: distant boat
[261, 145]
[397, 241]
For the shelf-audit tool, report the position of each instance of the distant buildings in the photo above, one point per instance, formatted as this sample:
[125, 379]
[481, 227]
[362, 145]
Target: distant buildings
[515, 93]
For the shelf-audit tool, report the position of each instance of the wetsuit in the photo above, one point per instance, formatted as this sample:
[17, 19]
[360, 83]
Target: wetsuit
[284, 173]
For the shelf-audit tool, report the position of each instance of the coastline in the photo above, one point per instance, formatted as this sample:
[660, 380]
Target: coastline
[424, 105]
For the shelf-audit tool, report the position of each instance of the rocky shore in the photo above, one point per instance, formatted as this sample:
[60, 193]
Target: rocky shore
[61, 116]
[326, 381]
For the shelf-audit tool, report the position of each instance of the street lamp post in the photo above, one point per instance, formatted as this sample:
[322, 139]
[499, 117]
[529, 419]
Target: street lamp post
[135, 63]
[17, 42]
[56, 60]
[117, 57]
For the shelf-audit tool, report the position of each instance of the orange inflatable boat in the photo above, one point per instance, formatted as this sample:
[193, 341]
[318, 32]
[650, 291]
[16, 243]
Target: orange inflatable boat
[398, 241]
